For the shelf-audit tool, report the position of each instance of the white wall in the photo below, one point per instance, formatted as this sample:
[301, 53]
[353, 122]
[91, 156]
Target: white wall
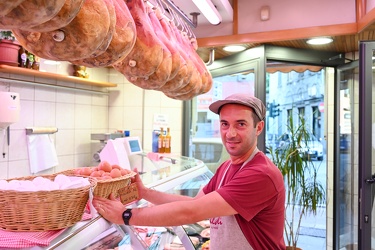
[78, 114]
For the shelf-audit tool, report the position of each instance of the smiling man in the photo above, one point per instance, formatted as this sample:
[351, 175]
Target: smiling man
[244, 200]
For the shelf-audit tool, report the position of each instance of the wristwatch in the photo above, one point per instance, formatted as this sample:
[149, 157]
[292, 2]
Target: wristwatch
[126, 215]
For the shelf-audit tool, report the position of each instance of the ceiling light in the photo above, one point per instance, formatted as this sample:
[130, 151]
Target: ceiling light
[319, 40]
[234, 48]
[209, 11]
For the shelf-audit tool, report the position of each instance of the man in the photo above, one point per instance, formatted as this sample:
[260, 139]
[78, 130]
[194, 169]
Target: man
[244, 200]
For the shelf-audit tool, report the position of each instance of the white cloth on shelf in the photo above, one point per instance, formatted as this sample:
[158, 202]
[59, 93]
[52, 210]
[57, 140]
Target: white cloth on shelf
[42, 152]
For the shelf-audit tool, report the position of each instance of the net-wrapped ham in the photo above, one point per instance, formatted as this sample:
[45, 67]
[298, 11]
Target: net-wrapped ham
[67, 13]
[7, 6]
[79, 39]
[162, 35]
[195, 80]
[147, 53]
[163, 72]
[185, 70]
[111, 30]
[122, 41]
[30, 13]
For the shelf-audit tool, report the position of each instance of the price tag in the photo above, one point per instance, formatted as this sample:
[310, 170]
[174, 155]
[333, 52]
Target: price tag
[128, 194]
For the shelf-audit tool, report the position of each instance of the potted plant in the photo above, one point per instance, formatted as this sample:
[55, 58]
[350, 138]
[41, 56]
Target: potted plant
[9, 48]
[304, 193]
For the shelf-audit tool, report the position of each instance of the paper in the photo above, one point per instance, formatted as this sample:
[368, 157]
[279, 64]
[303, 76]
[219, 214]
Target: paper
[42, 152]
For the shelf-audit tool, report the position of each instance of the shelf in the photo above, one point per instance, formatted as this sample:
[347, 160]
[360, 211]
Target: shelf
[48, 75]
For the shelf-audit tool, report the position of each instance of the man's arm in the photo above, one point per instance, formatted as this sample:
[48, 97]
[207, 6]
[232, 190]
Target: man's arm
[169, 214]
[157, 197]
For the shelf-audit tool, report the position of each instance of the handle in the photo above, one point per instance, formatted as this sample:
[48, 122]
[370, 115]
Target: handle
[371, 180]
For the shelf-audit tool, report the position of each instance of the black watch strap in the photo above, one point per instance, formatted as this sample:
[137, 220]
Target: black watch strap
[126, 215]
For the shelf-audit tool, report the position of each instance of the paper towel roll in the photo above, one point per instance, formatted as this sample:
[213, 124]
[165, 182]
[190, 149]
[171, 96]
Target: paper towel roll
[41, 130]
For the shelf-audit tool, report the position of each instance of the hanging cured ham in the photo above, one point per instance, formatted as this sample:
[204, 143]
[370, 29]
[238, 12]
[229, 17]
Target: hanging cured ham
[67, 13]
[185, 70]
[147, 53]
[30, 13]
[149, 49]
[122, 41]
[163, 72]
[191, 87]
[176, 57]
[78, 40]
[7, 6]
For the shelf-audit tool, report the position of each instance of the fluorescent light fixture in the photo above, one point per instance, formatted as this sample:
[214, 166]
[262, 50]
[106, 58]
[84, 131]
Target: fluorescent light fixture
[234, 48]
[320, 40]
[209, 11]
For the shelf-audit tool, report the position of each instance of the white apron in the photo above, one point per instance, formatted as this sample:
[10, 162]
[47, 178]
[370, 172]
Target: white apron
[228, 226]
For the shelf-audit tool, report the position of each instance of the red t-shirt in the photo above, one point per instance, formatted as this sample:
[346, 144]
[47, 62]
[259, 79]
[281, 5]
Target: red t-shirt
[257, 193]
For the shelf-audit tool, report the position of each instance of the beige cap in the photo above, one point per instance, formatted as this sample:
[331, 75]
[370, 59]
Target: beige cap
[243, 99]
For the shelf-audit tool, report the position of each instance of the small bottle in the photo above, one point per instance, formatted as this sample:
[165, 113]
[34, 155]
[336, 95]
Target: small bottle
[161, 148]
[30, 60]
[168, 141]
[36, 63]
[23, 57]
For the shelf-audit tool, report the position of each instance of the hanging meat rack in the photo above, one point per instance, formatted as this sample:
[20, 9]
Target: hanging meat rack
[174, 13]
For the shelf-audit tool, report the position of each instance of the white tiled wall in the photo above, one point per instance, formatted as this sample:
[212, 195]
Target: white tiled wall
[78, 114]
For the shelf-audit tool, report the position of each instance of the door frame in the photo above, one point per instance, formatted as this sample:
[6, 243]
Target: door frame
[366, 49]
[251, 59]
[337, 160]
[259, 55]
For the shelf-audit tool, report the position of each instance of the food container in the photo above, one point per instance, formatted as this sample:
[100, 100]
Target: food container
[43, 210]
[105, 187]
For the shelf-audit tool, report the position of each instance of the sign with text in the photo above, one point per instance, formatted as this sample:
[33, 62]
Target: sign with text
[128, 194]
[160, 121]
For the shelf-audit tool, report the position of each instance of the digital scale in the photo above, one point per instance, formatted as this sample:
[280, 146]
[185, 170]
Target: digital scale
[118, 150]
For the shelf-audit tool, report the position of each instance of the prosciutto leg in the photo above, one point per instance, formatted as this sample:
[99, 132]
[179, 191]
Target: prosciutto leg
[147, 53]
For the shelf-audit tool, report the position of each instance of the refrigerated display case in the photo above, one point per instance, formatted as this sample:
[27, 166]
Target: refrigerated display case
[169, 173]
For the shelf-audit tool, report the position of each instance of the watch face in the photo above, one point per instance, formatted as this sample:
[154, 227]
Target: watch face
[126, 216]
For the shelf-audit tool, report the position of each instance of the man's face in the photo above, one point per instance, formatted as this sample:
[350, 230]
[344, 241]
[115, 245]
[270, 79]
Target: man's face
[237, 129]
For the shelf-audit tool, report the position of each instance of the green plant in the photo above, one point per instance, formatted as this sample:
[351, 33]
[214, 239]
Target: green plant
[7, 35]
[304, 192]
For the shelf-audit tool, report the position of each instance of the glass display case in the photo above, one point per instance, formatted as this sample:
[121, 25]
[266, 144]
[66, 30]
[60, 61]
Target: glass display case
[168, 173]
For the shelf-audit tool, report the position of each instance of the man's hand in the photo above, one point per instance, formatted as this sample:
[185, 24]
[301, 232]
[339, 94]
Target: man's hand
[140, 186]
[111, 209]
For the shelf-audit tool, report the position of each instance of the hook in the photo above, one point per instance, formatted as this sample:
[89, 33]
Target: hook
[211, 58]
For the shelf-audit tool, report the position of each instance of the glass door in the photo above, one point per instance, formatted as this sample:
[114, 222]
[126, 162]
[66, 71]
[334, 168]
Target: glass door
[345, 216]
[366, 146]
[238, 74]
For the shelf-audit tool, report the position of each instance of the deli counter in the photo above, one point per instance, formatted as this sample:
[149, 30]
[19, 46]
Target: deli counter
[171, 174]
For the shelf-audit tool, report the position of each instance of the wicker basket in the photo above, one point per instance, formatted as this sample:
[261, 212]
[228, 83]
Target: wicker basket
[105, 187]
[42, 210]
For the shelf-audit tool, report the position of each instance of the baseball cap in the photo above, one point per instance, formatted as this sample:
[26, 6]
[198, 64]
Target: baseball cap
[243, 99]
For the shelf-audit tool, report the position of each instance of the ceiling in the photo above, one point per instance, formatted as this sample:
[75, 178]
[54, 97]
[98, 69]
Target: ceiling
[341, 44]
[224, 7]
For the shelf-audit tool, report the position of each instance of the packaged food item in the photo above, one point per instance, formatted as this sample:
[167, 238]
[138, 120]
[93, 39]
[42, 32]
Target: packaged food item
[161, 142]
[206, 245]
[167, 141]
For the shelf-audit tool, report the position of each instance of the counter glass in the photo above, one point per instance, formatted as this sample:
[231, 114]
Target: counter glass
[170, 173]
